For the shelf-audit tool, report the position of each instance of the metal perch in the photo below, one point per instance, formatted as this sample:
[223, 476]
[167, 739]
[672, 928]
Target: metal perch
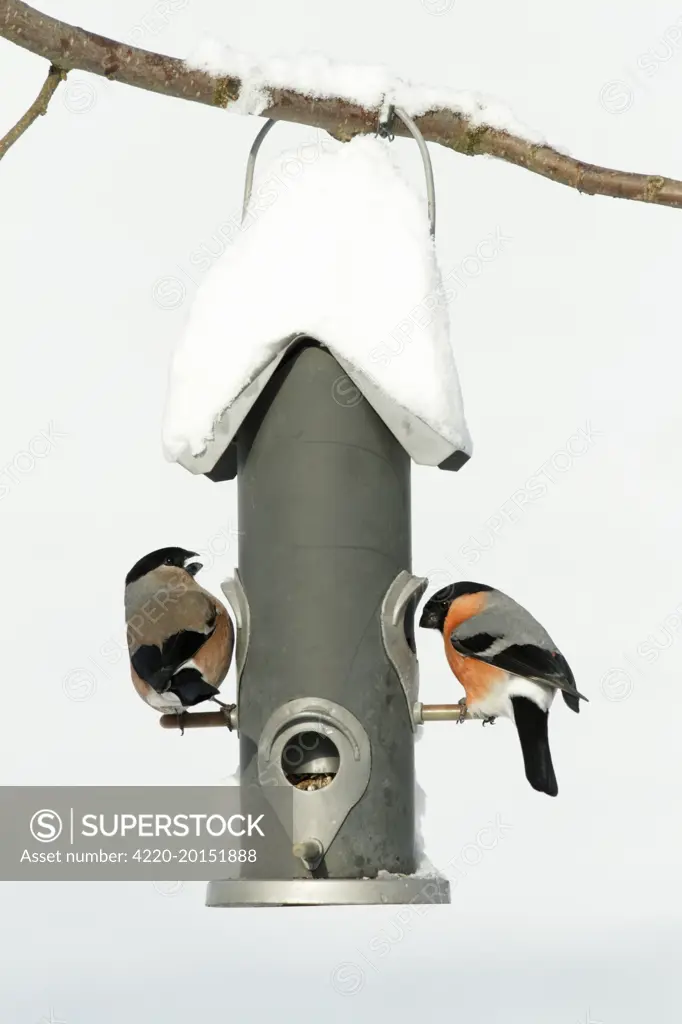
[423, 713]
[200, 720]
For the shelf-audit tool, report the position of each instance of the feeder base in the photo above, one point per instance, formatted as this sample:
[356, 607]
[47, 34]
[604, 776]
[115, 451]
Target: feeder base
[318, 892]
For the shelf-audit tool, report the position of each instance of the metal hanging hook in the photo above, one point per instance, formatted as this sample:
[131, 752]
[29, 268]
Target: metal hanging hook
[251, 164]
[384, 130]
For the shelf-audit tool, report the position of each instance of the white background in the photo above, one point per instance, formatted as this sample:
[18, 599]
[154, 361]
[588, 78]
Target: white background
[574, 915]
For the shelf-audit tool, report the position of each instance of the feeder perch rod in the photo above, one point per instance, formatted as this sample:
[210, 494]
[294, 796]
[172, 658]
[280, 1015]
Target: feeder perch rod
[438, 713]
[200, 720]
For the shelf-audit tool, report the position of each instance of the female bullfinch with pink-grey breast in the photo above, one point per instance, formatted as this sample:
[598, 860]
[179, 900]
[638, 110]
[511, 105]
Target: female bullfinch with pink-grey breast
[508, 665]
[180, 637]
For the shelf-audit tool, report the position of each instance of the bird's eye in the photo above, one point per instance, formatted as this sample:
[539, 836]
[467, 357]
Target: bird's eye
[169, 561]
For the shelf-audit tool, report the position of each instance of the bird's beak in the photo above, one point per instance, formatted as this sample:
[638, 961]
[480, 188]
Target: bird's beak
[429, 618]
[193, 568]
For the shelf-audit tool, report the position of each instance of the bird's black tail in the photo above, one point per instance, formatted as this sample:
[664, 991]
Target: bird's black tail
[190, 686]
[531, 723]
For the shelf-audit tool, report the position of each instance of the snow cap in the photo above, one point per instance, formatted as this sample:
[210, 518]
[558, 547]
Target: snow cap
[334, 246]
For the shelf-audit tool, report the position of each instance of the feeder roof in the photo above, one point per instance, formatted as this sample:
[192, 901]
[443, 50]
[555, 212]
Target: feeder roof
[335, 246]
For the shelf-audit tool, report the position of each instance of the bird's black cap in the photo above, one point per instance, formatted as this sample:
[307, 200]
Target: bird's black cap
[163, 556]
[436, 608]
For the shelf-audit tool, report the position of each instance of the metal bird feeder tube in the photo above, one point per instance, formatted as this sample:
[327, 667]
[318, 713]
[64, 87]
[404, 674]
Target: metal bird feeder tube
[324, 516]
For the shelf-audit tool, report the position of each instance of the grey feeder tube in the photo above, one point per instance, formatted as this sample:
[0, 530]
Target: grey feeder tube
[328, 683]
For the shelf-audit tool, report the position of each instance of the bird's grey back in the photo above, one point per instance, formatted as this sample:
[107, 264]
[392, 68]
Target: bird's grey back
[162, 603]
[504, 617]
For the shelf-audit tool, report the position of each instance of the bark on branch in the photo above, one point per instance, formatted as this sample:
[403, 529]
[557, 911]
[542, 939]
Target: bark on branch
[66, 47]
[38, 107]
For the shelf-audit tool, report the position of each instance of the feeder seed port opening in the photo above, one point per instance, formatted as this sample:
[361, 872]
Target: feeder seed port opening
[310, 761]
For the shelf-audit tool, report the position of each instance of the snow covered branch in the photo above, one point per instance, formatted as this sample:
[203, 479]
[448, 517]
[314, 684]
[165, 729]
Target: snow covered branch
[460, 122]
[39, 106]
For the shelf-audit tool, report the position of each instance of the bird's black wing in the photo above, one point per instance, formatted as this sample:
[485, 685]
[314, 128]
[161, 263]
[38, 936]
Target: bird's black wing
[473, 646]
[157, 665]
[526, 660]
[184, 645]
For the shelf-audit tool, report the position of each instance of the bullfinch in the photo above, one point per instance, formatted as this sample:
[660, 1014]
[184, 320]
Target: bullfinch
[180, 637]
[508, 665]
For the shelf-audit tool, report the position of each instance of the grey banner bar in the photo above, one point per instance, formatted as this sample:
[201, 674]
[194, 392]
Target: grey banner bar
[130, 833]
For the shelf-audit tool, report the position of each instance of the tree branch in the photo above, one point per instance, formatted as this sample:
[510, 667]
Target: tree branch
[69, 47]
[54, 76]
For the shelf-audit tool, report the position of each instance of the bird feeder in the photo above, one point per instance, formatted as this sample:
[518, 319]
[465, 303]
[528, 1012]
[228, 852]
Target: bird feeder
[324, 603]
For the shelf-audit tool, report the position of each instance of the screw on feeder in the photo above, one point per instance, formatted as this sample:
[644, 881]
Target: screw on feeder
[310, 851]
[385, 127]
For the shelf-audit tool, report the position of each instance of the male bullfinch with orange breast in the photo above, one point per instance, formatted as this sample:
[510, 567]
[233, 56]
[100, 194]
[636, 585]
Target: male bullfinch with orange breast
[180, 637]
[508, 665]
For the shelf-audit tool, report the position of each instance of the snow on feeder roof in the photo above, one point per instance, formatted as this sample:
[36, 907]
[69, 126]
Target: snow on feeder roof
[335, 246]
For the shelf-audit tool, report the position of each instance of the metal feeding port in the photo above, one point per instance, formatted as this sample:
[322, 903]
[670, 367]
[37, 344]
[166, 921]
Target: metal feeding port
[310, 761]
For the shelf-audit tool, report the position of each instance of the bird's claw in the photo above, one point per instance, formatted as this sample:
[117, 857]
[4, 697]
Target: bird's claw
[490, 720]
[227, 710]
[222, 705]
[463, 710]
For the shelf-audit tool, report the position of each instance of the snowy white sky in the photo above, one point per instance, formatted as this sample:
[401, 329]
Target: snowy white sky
[575, 914]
